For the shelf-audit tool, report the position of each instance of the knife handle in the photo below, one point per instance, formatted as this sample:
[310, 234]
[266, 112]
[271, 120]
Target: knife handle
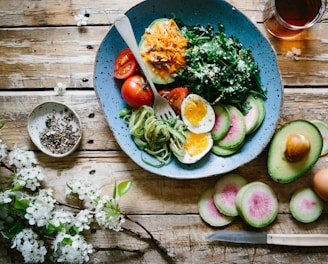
[298, 239]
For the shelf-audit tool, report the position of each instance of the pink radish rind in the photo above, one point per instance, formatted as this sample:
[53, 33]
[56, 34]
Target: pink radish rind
[305, 205]
[257, 204]
[237, 131]
[208, 211]
[225, 192]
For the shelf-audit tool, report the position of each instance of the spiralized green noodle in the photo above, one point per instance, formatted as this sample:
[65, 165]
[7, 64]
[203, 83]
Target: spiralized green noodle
[159, 138]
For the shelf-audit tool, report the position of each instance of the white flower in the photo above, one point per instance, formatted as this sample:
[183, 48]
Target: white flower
[108, 214]
[22, 158]
[5, 197]
[82, 18]
[294, 52]
[3, 151]
[40, 208]
[86, 193]
[60, 88]
[59, 216]
[83, 220]
[32, 249]
[74, 250]
[29, 177]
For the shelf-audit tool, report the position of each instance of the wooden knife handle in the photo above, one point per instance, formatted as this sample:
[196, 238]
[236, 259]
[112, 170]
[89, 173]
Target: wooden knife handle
[305, 240]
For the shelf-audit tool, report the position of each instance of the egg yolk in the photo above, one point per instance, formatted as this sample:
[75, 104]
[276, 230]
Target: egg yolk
[196, 143]
[195, 111]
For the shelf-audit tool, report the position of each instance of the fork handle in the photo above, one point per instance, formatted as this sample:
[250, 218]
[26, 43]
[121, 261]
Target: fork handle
[123, 26]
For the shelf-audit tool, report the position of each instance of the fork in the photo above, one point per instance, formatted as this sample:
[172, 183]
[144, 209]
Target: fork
[161, 106]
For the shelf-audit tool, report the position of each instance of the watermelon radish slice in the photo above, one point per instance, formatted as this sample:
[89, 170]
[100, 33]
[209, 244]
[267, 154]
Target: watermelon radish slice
[261, 110]
[222, 121]
[237, 130]
[224, 152]
[253, 114]
[257, 204]
[225, 192]
[305, 205]
[323, 128]
[208, 211]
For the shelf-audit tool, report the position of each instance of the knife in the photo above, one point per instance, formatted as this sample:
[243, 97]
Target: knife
[261, 237]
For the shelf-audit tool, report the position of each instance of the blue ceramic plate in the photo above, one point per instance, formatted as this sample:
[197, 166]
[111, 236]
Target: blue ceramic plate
[191, 12]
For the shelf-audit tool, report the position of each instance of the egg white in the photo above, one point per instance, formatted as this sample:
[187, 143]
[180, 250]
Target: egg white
[203, 143]
[197, 114]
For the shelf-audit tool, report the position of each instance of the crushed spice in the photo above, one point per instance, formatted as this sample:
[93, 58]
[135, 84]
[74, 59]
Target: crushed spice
[59, 135]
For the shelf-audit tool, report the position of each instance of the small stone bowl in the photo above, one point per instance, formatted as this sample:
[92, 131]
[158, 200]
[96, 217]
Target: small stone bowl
[55, 129]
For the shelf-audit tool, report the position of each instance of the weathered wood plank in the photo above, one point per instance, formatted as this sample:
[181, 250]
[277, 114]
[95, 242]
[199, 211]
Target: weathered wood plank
[153, 194]
[15, 107]
[19, 13]
[42, 57]
[311, 103]
[101, 164]
[184, 237]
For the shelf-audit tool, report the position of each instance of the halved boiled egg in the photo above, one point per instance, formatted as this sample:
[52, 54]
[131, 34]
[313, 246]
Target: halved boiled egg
[196, 147]
[197, 114]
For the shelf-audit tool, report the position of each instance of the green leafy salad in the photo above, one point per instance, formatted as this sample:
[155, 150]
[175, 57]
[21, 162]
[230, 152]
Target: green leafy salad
[218, 68]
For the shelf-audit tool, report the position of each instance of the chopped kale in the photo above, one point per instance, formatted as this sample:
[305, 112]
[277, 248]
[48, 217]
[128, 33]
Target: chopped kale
[218, 68]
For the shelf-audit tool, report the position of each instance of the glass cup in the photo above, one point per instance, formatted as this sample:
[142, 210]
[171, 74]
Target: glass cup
[287, 18]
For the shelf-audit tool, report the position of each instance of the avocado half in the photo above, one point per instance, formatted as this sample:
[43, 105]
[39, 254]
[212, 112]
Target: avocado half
[284, 171]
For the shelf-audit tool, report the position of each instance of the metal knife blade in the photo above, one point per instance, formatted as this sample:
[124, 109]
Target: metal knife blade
[261, 237]
[248, 237]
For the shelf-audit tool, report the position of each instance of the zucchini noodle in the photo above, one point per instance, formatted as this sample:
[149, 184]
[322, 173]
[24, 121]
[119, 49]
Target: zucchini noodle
[159, 138]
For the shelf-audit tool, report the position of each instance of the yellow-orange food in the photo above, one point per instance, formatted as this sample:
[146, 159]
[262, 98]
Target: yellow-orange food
[320, 183]
[164, 48]
[297, 147]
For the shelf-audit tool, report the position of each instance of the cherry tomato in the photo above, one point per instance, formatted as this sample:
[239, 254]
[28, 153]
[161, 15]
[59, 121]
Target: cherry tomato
[175, 98]
[135, 92]
[125, 64]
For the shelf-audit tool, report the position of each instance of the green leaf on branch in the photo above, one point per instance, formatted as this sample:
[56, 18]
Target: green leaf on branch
[21, 204]
[124, 187]
[67, 241]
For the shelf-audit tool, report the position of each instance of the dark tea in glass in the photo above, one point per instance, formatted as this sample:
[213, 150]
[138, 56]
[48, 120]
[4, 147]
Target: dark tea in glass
[287, 18]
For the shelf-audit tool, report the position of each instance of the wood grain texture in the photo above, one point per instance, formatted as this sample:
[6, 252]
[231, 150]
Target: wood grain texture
[38, 56]
[40, 45]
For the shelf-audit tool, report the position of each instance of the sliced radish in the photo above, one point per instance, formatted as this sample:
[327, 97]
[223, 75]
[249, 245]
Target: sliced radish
[323, 128]
[222, 121]
[253, 114]
[257, 204]
[225, 192]
[208, 211]
[262, 111]
[305, 205]
[225, 151]
[237, 130]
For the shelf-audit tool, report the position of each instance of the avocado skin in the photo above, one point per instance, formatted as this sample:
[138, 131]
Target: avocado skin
[284, 171]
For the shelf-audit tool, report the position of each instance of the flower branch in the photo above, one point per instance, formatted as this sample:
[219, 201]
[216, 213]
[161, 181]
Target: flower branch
[40, 226]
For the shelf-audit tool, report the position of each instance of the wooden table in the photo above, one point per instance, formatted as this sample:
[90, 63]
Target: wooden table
[40, 45]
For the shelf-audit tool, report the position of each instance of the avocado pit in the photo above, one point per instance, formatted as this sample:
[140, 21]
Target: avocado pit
[297, 147]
